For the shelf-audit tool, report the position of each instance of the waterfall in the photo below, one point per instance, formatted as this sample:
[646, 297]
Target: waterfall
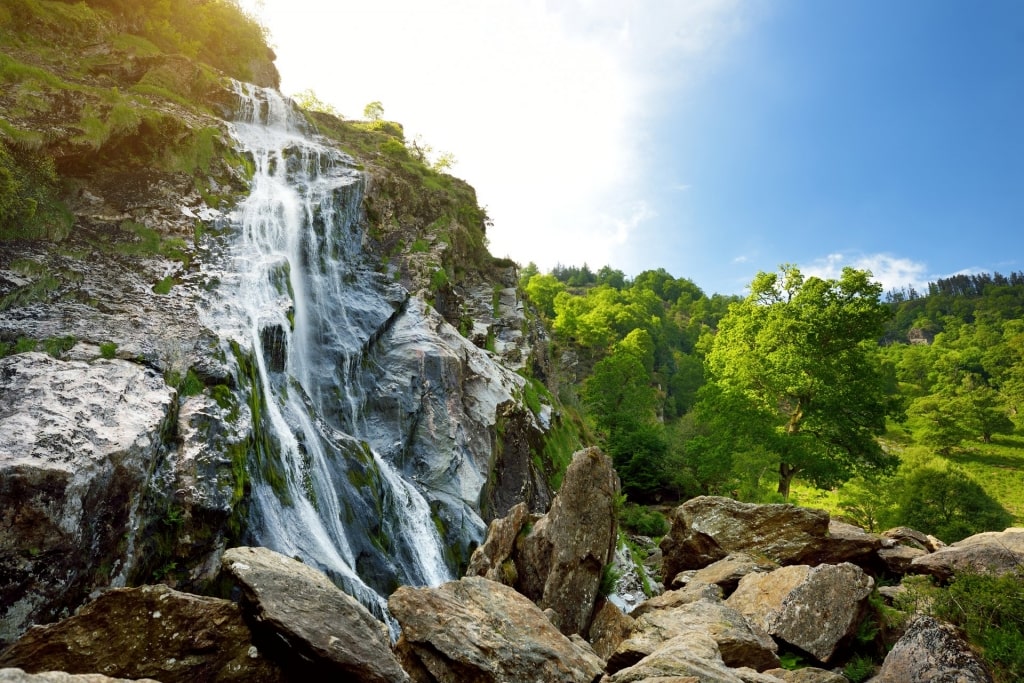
[304, 305]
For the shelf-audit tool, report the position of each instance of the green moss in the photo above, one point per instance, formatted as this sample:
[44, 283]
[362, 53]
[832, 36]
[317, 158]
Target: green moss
[163, 287]
[58, 346]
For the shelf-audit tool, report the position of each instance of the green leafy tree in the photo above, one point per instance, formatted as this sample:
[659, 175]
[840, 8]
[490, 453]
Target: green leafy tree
[803, 351]
[542, 290]
[946, 502]
[939, 420]
[374, 111]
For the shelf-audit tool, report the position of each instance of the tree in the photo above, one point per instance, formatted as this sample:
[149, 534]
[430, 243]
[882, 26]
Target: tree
[804, 353]
[946, 502]
[374, 111]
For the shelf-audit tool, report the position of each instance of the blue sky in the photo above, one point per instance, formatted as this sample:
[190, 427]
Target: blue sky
[713, 138]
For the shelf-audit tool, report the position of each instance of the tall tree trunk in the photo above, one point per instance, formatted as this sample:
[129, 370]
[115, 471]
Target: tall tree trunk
[786, 473]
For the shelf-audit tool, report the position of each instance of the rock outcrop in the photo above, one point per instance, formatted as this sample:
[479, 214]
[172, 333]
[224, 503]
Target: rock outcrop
[477, 631]
[813, 608]
[148, 632]
[931, 651]
[326, 632]
[19, 676]
[559, 561]
[78, 443]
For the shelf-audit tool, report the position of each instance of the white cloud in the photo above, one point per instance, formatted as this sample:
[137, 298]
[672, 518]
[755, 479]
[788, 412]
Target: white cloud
[741, 259]
[542, 102]
[891, 271]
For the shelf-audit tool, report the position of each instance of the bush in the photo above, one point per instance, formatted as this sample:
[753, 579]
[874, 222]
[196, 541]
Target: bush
[643, 521]
[990, 610]
[948, 504]
[108, 349]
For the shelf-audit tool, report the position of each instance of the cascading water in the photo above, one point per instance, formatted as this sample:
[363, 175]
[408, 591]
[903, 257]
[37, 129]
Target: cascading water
[302, 301]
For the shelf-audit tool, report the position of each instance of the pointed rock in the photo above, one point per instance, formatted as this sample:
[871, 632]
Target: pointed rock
[325, 631]
[812, 608]
[493, 559]
[478, 631]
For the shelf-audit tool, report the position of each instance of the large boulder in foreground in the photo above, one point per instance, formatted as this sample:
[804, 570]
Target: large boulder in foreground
[931, 651]
[19, 676]
[148, 632]
[991, 552]
[708, 528]
[813, 608]
[78, 443]
[558, 564]
[327, 634]
[478, 631]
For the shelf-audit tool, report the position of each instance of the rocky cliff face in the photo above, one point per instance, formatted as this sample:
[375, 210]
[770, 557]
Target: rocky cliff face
[170, 418]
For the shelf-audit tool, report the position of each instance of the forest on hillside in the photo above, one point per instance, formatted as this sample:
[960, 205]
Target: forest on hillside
[895, 408]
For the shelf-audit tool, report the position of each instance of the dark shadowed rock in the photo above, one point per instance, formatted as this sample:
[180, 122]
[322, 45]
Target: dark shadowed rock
[992, 552]
[326, 632]
[813, 608]
[739, 643]
[897, 559]
[931, 651]
[845, 543]
[708, 528]
[148, 632]
[609, 628]
[78, 443]
[910, 537]
[19, 676]
[478, 631]
[493, 559]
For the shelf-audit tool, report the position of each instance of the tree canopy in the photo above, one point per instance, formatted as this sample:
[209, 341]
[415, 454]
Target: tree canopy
[801, 353]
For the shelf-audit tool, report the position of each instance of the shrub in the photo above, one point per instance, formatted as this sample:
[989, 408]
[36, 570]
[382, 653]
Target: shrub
[108, 349]
[643, 521]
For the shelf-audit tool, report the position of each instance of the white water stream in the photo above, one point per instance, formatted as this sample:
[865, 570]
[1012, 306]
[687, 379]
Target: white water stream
[301, 301]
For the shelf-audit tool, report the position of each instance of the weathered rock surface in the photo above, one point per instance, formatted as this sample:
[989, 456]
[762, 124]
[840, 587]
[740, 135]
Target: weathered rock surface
[19, 676]
[690, 654]
[558, 564]
[739, 643]
[728, 571]
[707, 528]
[931, 651]
[691, 592]
[808, 674]
[897, 559]
[326, 632]
[475, 631]
[609, 628]
[148, 632]
[812, 608]
[78, 442]
[911, 538]
[991, 552]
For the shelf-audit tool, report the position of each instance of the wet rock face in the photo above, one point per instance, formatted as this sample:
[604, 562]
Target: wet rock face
[326, 632]
[78, 442]
[813, 608]
[148, 632]
[478, 631]
[931, 651]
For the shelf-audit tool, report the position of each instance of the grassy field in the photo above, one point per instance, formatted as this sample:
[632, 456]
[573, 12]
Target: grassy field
[998, 467]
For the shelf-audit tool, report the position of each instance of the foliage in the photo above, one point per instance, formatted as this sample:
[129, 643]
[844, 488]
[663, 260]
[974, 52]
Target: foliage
[374, 111]
[643, 521]
[609, 577]
[308, 100]
[946, 502]
[108, 350]
[801, 352]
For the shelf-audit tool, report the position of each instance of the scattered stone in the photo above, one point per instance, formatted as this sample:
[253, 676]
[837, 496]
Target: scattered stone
[708, 528]
[481, 631]
[692, 592]
[728, 571]
[148, 632]
[689, 654]
[931, 651]
[739, 643]
[609, 628]
[812, 608]
[808, 674]
[326, 632]
[991, 552]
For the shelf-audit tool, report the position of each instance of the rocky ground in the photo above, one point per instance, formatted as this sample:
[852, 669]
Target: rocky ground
[749, 587]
